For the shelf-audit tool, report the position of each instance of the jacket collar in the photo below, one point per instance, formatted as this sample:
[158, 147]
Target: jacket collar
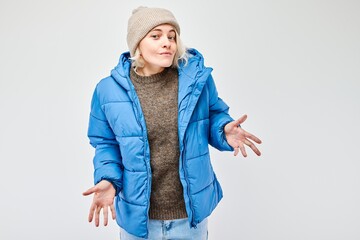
[190, 70]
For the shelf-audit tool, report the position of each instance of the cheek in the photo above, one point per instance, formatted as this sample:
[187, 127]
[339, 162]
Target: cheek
[174, 47]
[147, 55]
[144, 52]
[145, 48]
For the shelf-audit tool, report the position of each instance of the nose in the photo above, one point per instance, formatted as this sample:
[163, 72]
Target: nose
[166, 42]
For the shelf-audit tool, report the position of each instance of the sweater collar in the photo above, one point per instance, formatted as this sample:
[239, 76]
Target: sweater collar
[162, 76]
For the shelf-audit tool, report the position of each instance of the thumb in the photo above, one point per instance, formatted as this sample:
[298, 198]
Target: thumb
[90, 191]
[240, 120]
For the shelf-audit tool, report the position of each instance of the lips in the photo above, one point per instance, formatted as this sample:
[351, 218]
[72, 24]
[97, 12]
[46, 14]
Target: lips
[166, 54]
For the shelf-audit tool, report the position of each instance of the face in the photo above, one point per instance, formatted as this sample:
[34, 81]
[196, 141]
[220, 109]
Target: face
[158, 49]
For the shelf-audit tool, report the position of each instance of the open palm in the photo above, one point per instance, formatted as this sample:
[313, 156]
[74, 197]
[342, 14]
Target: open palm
[104, 193]
[237, 137]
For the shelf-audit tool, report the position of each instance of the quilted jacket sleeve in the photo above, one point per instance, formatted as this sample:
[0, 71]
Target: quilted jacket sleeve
[107, 159]
[219, 117]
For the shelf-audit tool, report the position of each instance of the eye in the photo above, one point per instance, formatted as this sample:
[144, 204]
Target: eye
[154, 36]
[172, 38]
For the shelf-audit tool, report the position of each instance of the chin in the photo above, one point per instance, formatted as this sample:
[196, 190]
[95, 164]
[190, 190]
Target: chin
[165, 65]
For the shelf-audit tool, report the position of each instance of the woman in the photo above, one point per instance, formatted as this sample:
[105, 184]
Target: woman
[151, 123]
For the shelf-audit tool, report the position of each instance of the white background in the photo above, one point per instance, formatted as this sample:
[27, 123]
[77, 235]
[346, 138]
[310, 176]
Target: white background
[292, 66]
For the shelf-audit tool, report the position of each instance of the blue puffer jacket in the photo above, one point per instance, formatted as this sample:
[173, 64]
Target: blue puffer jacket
[118, 132]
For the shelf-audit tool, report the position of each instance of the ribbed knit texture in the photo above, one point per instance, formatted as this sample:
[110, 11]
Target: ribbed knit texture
[158, 95]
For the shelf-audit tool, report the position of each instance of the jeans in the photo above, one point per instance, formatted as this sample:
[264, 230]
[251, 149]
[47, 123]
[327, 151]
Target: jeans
[171, 229]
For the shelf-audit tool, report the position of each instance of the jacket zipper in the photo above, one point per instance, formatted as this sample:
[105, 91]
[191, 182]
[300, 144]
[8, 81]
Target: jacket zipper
[137, 113]
[193, 224]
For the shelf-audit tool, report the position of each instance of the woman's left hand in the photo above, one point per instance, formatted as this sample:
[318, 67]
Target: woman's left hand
[237, 137]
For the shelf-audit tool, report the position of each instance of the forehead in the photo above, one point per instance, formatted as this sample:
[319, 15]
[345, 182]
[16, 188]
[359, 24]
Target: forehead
[164, 28]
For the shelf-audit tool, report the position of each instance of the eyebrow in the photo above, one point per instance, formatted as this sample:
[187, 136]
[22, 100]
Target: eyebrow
[159, 30]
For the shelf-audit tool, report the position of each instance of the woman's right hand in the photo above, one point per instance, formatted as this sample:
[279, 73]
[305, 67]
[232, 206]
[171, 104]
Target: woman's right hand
[104, 193]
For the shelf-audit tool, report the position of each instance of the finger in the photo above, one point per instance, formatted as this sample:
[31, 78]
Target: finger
[90, 191]
[105, 213]
[91, 213]
[252, 137]
[236, 151]
[240, 120]
[97, 216]
[242, 149]
[113, 213]
[253, 147]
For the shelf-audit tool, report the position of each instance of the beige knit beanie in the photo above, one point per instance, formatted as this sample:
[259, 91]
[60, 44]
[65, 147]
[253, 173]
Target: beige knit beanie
[142, 20]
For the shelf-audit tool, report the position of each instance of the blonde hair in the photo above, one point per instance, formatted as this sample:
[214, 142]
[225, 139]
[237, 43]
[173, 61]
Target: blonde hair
[181, 55]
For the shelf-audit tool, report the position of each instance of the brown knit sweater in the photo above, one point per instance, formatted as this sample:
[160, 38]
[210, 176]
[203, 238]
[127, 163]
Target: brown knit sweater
[158, 95]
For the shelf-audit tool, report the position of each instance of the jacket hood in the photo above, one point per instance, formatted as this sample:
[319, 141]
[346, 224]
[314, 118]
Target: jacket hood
[121, 72]
[195, 61]
[194, 65]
